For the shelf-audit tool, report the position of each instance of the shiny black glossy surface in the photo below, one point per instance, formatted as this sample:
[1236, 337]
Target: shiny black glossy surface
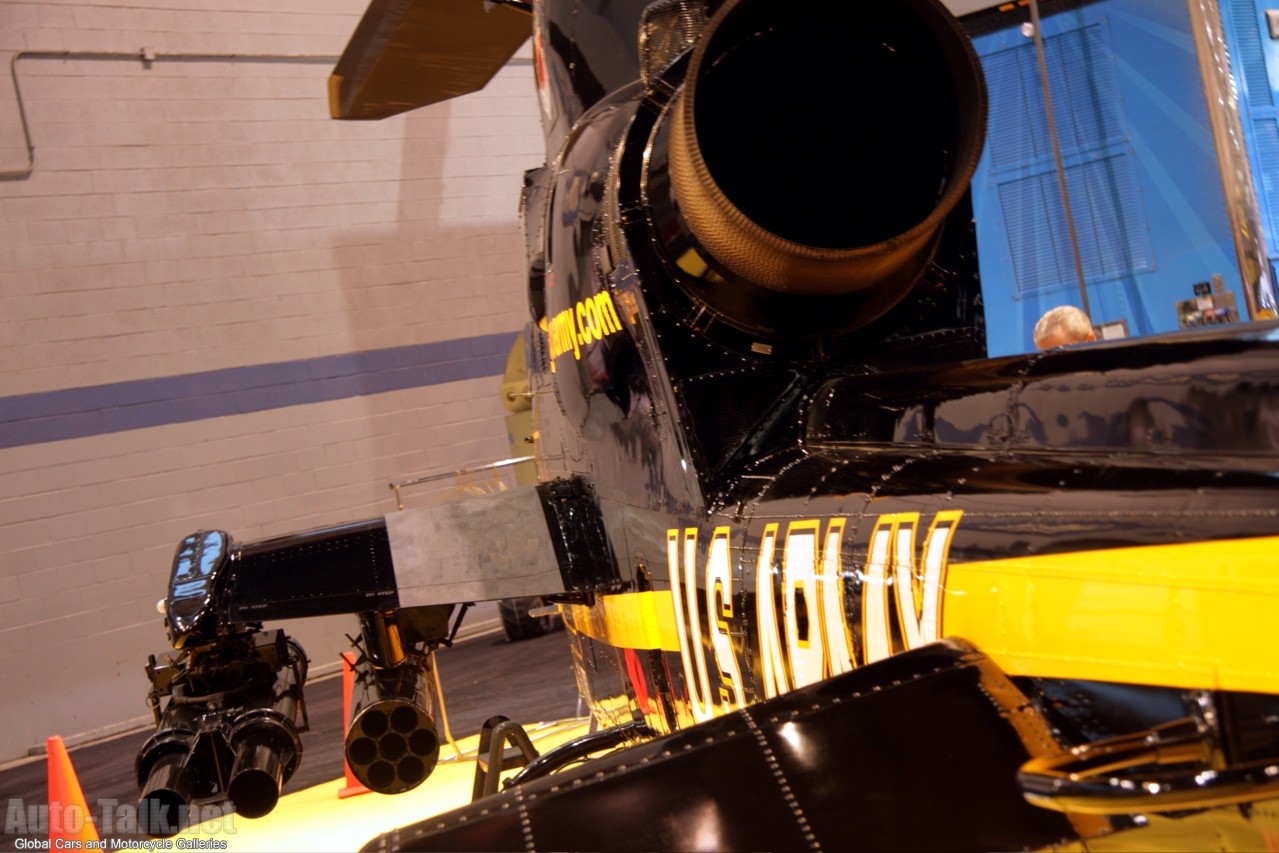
[578, 535]
[197, 567]
[806, 771]
[1174, 395]
[344, 569]
[587, 51]
[786, 480]
[719, 360]
[721, 412]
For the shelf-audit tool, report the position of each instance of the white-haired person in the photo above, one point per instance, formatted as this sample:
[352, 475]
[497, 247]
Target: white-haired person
[1062, 326]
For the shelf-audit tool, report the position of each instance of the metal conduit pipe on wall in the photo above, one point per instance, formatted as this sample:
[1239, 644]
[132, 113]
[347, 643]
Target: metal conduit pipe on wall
[146, 57]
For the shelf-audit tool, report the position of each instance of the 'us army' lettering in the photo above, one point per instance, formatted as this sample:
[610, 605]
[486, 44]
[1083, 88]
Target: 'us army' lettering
[800, 590]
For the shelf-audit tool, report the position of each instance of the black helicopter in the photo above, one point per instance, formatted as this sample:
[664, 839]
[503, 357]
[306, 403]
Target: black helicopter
[834, 579]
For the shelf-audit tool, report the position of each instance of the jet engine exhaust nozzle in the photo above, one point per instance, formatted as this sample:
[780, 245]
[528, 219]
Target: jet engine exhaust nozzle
[817, 147]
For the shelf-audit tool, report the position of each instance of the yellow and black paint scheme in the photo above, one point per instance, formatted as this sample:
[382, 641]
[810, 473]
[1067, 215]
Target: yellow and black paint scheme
[1117, 562]
[742, 622]
[838, 579]
[804, 481]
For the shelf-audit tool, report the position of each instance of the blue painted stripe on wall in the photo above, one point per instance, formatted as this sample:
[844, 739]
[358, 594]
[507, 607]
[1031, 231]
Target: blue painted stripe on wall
[82, 412]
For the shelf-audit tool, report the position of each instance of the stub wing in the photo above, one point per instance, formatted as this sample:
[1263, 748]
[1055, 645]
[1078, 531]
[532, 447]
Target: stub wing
[407, 54]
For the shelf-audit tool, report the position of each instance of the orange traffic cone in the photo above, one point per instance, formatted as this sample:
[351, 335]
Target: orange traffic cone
[353, 786]
[69, 817]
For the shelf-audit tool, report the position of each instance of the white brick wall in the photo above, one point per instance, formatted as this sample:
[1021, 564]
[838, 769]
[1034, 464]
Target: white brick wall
[90, 526]
[192, 216]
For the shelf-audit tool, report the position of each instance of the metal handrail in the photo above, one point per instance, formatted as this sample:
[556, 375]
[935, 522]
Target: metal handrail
[444, 475]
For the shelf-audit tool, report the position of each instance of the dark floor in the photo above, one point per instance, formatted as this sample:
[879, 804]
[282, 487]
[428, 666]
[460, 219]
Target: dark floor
[529, 681]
